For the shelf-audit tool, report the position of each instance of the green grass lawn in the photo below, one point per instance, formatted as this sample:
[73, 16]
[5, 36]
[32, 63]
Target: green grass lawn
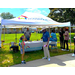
[8, 58]
[11, 37]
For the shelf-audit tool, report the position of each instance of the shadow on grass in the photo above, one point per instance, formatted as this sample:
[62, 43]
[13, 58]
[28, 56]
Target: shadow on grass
[10, 58]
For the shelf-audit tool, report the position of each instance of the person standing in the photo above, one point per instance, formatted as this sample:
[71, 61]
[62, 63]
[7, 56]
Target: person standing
[53, 38]
[66, 38]
[61, 38]
[22, 47]
[27, 34]
[45, 38]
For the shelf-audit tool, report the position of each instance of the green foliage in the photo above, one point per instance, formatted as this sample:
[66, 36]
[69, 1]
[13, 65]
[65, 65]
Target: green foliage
[62, 14]
[6, 15]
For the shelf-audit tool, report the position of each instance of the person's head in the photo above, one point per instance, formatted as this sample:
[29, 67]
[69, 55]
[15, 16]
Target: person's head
[22, 38]
[61, 29]
[43, 29]
[66, 29]
[53, 31]
[27, 29]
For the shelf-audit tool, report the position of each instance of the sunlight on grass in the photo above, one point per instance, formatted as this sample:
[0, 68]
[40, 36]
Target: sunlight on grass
[8, 58]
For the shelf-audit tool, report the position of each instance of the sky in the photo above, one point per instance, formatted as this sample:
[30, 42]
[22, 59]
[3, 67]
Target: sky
[19, 11]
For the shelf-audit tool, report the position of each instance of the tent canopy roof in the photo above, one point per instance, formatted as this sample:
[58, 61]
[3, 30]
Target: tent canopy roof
[33, 19]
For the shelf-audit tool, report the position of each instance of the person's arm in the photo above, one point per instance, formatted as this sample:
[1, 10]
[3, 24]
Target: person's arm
[42, 37]
[65, 33]
[25, 36]
[24, 33]
[48, 39]
[30, 34]
[59, 34]
[47, 42]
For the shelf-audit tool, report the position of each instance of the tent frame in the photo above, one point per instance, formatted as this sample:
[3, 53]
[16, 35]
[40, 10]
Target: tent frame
[49, 32]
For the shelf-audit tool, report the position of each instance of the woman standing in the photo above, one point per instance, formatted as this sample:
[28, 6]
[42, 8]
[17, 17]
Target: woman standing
[22, 46]
[53, 38]
[66, 34]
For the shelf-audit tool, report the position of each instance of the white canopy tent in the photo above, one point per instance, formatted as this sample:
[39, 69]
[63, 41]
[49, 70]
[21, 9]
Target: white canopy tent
[34, 20]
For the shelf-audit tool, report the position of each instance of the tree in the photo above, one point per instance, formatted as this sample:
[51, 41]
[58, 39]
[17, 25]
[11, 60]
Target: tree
[6, 15]
[62, 14]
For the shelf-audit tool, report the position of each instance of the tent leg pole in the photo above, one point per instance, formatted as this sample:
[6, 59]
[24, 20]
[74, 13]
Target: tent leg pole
[0, 35]
[16, 37]
[4, 32]
[70, 38]
[49, 30]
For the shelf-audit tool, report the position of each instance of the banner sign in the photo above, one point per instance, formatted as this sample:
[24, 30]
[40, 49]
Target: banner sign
[26, 18]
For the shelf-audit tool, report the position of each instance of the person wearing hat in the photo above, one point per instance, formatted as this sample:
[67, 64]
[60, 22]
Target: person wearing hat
[45, 38]
[66, 38]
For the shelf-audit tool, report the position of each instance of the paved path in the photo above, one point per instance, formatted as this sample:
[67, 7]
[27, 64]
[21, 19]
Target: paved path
[57, 61]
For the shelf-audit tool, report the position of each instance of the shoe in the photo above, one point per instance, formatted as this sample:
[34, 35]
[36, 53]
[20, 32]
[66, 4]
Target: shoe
[23, 62]
[44, 58]
[73, 55]
[67, 50]
[63, 49]
[49, 59]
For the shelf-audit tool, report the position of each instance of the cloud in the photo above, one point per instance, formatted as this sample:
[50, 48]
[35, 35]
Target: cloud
[45, 12]
[35, 10]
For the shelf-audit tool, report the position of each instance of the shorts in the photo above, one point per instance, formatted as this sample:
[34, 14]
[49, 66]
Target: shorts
[21, 50]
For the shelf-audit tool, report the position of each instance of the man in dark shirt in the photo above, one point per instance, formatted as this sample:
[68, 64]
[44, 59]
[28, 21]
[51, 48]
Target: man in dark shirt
[61, 37]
